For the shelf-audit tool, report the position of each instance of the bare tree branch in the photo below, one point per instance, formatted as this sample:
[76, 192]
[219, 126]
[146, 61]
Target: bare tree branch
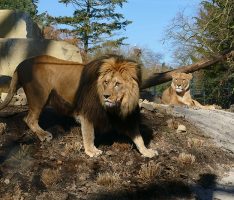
[159, 78]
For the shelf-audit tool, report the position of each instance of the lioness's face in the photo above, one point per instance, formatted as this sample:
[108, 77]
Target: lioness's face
[113, 90]
[181, 81]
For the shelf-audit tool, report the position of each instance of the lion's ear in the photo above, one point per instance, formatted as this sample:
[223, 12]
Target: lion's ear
[190, 76]
[174, 74]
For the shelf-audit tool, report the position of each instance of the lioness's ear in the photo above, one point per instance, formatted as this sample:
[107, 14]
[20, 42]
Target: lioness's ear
[174, 74]
[190, 76]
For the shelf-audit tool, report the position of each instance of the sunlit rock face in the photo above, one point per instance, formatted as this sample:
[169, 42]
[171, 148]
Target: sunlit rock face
[21, 38]
[15, 24]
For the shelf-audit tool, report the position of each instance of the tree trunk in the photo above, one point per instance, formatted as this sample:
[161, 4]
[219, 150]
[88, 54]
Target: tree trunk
[87, 26]
[159, 78]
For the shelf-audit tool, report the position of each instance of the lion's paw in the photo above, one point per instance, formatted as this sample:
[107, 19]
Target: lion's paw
[195, 108]
[94, 152]
[149, 153]
[45, 136]
[185, 106]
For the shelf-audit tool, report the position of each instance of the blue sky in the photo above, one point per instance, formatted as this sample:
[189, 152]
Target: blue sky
[150, 18]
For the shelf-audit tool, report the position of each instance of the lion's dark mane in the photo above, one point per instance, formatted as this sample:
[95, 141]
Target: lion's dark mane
[89, 105]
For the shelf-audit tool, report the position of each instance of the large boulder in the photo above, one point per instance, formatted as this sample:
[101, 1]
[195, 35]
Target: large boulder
[14, 51]
[19, 98]
[16, 24]
[21, 38]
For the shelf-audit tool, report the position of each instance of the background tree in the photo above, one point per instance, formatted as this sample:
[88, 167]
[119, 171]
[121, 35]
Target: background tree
[209, 33]
[28, 6]
[94, 21]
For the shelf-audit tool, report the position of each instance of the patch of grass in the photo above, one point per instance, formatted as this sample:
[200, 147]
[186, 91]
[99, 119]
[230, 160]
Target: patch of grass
[73, 146]
[186, 159]
[53, 195]
[149, 171]
[2, 128]
[17, 193]
[24, 151]
[194, 142]
[71, 143]
[107, 179]
[122, 146]
[50, 177]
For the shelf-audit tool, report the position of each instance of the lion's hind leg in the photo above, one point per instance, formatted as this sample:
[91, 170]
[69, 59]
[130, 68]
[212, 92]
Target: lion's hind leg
[37, 101]
[207, 107]
[32, 122]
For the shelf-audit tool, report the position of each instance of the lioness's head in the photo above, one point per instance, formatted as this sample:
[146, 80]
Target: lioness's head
[118, 85]
[180, 81]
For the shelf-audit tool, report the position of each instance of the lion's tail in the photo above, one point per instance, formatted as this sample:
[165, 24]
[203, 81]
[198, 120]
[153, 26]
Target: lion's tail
[12, 90]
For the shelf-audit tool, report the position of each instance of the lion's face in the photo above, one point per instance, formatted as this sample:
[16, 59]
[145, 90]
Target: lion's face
[181, 81]
[117, 86]
[113, 90]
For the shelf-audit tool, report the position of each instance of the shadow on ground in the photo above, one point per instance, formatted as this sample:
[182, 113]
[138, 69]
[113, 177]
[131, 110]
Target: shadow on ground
[61, 170]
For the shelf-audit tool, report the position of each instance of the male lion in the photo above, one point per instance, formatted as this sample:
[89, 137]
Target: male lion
[102, 95]
[179, 92]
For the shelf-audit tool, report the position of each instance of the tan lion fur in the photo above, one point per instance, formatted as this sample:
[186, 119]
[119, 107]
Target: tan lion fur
[179, 92]
[124, 72]
[101, 95]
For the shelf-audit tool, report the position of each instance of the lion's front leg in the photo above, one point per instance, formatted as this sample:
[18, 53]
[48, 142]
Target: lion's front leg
[87, 130]
[138, 141]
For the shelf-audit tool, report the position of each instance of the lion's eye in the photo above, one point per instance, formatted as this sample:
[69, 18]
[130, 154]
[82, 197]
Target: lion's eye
[117, 84]
[105, 82]
[176, 79]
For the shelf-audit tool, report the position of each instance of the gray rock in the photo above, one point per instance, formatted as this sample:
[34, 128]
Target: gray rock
[217, 124]
[21, 38]
[14, 51]
[19, 98]
[16, 24]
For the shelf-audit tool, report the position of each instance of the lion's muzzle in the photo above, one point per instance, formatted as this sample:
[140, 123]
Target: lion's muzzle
[179, 88]
[110, 104]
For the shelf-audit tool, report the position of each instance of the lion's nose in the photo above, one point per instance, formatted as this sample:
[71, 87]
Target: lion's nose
[106, 96]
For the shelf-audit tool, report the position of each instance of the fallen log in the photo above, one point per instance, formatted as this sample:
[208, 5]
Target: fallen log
[159, 78]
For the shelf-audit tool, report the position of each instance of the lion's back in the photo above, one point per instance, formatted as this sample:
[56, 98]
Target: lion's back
[46, 73]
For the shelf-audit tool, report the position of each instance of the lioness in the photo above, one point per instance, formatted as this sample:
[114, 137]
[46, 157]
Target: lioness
[102, 94]
[179, 92]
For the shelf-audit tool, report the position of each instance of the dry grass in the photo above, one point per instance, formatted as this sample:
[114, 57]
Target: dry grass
[52, 195]
[194, 142]
[81, 177]
[122, 146]
[73, 146]
[2, 128]
[50, 177]
[17, 193]
[149, 170]
[186, 159]
[172, 123]
[108, 179]
[24, 151]
[73, 142]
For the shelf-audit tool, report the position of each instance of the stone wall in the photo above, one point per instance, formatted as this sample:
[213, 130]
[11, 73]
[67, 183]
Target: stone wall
[14, 51]
[15, 24]
[21, 38]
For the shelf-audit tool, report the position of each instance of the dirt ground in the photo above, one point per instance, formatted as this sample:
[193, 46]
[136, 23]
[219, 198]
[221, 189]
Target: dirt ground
[60, 169]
